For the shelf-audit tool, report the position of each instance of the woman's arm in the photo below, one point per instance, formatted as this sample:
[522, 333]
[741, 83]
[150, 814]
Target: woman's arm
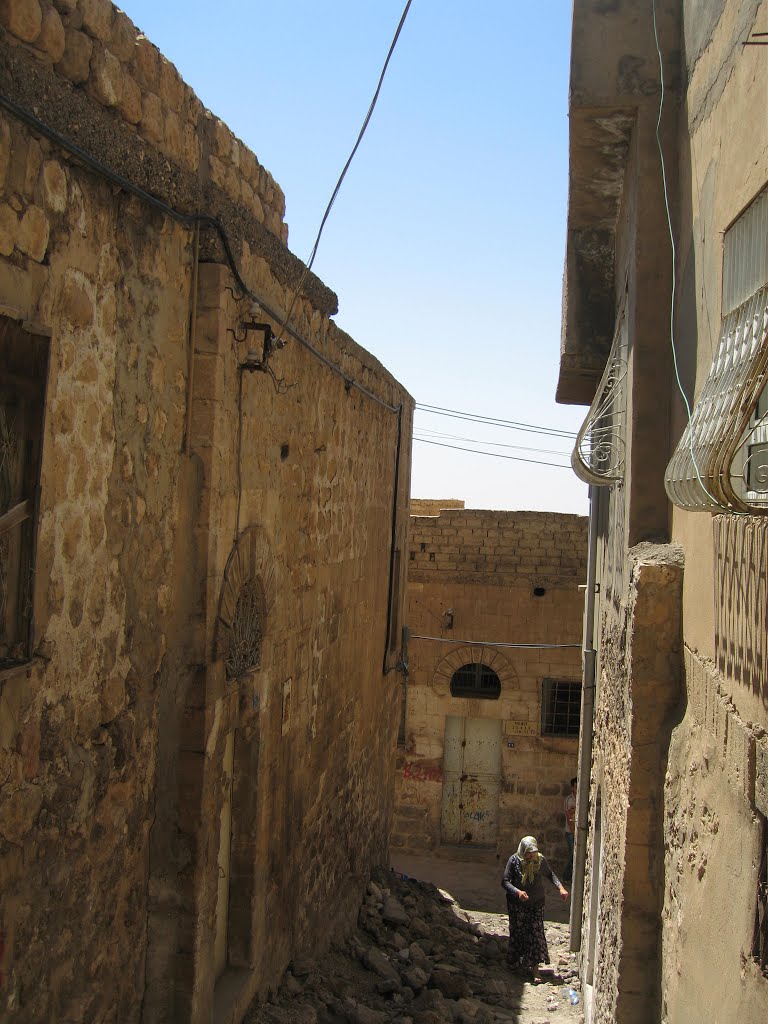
[550, 874]
[511, 875]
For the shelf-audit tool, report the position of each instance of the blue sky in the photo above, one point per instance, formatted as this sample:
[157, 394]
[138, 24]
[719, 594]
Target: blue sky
[446, 243]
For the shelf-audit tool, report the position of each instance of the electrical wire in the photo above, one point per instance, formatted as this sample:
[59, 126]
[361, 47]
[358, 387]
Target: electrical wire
[493, 455]
[332, 200]
[680, 387]
[495, 444]
[188, 220]
[493, 421]
[486, 643]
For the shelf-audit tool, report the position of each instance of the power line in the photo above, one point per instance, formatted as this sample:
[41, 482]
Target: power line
[487, 643]
[494, 421]
[493, 455]
[332, 200]
[189, 220]
[495, 444]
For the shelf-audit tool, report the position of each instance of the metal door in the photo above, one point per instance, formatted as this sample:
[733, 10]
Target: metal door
[471, 770]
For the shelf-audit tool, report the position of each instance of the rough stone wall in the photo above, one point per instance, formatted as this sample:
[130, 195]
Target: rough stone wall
[113, 737]
[715, 794]
[483, 567]
[637, 705]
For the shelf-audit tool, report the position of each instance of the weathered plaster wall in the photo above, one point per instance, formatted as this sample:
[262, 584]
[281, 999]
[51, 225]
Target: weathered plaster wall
[484, 567]
[715, 785]
[715, 808]
[113, 738]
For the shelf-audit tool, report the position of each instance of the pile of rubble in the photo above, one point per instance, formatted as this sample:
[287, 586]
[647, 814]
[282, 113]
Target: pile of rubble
[417, 958]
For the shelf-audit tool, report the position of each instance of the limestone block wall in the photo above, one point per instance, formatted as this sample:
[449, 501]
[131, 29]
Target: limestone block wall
[95, 46]
[496, 577]
[174, 489]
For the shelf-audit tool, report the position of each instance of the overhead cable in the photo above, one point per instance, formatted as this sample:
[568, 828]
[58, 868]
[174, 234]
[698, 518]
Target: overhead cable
[494, 421]
[493, 455]
[332, 200]
[495, 444]
[487, 643]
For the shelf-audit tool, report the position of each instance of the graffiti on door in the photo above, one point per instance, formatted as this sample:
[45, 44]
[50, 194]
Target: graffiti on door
[471, 770]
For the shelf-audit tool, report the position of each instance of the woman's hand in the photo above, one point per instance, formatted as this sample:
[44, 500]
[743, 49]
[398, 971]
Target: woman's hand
[563, 893]
[522, 895]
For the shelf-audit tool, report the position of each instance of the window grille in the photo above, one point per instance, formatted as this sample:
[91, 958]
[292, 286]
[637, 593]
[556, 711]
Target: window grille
[475, 681]
[721, 461]
[560, 708]
[600, 451]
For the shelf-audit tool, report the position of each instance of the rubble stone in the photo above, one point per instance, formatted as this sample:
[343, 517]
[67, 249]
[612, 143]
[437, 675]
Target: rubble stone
[23, 18]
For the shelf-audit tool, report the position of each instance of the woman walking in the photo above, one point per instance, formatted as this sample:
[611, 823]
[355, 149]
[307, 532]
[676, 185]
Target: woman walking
[523, 882]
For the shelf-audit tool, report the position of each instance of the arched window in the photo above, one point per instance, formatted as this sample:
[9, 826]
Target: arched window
[475, 681]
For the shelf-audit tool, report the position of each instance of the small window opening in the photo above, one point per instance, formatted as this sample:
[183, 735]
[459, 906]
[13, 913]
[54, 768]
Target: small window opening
[476, 681]
[539, 591]
[560, 708]
[23, 374]
[403, 712]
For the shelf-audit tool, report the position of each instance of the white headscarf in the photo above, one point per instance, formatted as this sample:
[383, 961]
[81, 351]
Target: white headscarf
[528, 867]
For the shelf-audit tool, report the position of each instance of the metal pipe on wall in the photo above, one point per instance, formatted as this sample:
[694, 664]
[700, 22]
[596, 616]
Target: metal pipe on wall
[587, 731]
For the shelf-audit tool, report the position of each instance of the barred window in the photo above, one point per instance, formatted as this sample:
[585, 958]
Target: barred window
[475, 681]
[721, 461]
[560, 707]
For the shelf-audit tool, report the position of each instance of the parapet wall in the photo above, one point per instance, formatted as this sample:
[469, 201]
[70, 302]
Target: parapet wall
[497, 545]
[433, 506]
[99, 82]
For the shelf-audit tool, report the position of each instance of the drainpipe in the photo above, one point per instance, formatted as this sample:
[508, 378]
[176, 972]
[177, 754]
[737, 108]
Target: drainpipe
[587, 730]
[387, 668]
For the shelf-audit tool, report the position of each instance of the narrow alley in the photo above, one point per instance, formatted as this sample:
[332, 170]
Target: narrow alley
[419, 955]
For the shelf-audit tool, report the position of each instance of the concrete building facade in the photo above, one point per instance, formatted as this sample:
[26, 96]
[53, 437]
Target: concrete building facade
[200, 533]
[491, 704]
[665, 333]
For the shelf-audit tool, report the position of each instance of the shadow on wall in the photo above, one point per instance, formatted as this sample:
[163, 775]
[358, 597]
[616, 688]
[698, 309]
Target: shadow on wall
[741, 599]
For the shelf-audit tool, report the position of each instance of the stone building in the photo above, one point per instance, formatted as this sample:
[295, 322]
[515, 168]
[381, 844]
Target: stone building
[666, 294]
[491, 704]
[200, 535]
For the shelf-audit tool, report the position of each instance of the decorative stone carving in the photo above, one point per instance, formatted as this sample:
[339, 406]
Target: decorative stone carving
[247, 597]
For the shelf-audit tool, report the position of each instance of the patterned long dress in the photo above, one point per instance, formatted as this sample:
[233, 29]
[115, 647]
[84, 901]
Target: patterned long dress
[527, 941]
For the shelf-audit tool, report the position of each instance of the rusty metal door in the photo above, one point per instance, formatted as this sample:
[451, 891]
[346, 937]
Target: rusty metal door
[471, 771]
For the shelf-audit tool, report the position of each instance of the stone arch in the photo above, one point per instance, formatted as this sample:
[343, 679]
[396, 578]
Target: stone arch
[493, 657]
[246, 600]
